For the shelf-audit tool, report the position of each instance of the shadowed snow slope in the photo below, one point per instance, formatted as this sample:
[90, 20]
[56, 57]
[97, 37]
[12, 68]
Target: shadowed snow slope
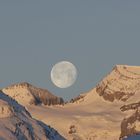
[110, 111]
[17, 124]
[27, 94]
[137, 137]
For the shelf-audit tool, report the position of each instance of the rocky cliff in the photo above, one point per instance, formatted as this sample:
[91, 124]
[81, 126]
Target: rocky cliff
[131, 124]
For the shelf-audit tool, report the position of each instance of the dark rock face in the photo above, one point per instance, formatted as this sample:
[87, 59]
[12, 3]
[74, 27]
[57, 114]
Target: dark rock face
[131, 125]
[132, 106]
[45, 97]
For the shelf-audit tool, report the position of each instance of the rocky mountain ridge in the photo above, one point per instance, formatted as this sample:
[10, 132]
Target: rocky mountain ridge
[26, 93]
[122, 83]
[16, 123]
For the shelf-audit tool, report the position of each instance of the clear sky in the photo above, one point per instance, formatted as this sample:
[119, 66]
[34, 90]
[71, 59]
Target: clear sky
[94, 35]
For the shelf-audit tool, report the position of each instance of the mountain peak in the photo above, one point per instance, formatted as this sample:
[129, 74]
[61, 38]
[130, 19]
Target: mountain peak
[26, 93]
[120, 84]
[19, 85]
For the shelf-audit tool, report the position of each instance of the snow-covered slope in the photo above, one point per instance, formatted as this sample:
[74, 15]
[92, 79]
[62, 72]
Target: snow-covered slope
[91, 119]
[17, 124]
[122, 83]
[27, 94]
[110, 111]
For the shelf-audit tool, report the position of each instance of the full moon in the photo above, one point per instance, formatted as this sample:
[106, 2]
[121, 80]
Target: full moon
[63, 74]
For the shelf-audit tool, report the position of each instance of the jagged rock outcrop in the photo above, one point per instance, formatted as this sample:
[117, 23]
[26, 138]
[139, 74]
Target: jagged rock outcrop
[131, 125]
[132, 106]
[122, 83]
[27, 94]
[17, 124]
[78, 99]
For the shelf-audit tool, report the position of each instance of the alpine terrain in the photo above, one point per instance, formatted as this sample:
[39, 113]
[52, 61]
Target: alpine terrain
[110, 111]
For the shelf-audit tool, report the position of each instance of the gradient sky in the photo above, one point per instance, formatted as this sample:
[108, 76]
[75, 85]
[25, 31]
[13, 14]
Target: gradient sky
[94, 35]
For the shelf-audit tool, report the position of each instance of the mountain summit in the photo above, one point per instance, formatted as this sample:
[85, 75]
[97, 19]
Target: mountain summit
[121, 84]
[27, 94]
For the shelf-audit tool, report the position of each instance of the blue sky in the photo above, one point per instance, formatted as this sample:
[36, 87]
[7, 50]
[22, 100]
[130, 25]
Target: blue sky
[93, 35]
